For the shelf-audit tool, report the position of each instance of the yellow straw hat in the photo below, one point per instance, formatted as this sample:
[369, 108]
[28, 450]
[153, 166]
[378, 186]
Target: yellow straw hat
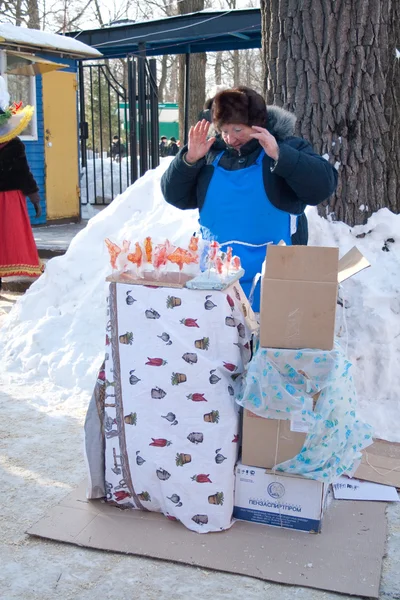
[13, 121]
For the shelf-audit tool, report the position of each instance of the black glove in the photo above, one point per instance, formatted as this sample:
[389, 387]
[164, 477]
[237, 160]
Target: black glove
[35, 199]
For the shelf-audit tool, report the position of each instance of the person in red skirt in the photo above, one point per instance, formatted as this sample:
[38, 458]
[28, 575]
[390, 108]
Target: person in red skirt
[18, 252]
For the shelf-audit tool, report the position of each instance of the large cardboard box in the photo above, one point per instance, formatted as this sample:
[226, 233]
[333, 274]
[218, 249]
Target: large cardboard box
[279, 500]
[268, 442]
[299, 290]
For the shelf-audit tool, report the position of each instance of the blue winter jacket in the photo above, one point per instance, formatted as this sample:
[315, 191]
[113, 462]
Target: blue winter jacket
[299, 178]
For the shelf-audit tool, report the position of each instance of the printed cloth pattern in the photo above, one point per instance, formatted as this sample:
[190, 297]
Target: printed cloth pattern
[316, 388]
[174, 362]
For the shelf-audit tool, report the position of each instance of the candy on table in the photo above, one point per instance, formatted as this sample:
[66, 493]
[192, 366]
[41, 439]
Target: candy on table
[161, 253]
[219, 264]
[137, 256]
[214, 247]
[228, 258]
[236, 263]
[114, 251]
[194, 243]
[122, 258]
[148, 248]
[182, 257]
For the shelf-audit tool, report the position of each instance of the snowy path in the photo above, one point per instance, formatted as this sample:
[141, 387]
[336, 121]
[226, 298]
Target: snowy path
[41, 460]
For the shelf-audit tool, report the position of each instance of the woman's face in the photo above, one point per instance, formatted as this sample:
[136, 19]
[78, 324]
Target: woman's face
[236, 135]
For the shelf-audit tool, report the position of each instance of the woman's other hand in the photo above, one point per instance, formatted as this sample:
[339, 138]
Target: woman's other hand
[267, 141]
[199, 145]
[35, 199]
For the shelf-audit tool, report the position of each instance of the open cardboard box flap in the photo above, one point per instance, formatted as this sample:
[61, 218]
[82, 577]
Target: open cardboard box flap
[351, 263]
[312, 263]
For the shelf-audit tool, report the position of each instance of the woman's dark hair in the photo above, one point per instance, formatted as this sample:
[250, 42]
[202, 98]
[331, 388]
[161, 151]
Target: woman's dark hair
[240, 105]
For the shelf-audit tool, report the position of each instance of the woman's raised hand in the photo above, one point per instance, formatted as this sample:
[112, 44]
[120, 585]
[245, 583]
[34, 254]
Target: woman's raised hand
[199, 145]
[267, 141]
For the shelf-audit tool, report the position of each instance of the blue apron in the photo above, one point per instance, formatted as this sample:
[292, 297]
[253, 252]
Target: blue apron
[238, 213]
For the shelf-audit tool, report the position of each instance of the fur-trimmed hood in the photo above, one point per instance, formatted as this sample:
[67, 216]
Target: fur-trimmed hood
[280, 122]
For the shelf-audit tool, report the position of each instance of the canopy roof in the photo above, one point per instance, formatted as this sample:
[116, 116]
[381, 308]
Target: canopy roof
[205, 31]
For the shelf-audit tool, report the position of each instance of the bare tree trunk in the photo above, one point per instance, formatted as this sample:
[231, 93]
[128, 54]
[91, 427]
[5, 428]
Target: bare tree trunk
[334, 64]
[218, 68]
[197, 81]
[163, 78]
[236, 69]
[172, 81]
[181, 95]
[33, 14]
[18, 13]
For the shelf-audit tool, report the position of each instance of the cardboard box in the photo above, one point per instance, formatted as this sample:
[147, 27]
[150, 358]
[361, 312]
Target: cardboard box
[299, 290]
[380, 463]
[267, 442]
[279, 500]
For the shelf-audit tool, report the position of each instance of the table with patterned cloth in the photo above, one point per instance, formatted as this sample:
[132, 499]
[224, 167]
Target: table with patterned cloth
[162, 428]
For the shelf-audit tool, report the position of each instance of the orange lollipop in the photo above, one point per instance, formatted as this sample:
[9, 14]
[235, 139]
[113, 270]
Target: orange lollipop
[137, 256]
[114, 252]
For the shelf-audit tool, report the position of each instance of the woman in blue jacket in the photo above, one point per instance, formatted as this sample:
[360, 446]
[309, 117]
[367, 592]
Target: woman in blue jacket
[251, 183]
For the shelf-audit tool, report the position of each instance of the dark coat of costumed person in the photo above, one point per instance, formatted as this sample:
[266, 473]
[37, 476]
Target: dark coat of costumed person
[251, 183]
[18, 252]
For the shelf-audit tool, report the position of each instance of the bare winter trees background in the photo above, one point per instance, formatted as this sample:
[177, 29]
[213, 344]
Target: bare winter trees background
[331, 62]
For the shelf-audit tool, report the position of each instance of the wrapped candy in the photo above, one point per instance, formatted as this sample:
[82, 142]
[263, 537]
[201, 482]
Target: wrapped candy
[236, 263]
[148, 248]
[114, 251]
[194, 244]
[182, 257]
[122, 259]
[161, 253]
[136, 257]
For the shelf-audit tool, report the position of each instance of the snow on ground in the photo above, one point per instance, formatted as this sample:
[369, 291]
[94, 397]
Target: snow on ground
[41, 461]
[56, 330]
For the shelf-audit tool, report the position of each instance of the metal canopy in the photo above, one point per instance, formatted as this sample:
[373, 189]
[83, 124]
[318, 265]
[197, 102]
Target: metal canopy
[205, 31]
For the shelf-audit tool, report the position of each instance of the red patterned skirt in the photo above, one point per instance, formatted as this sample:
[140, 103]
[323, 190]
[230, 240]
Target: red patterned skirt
[18, 252]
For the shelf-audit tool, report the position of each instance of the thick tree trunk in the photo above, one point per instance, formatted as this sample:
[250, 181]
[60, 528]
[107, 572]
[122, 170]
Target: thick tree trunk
[333, 63]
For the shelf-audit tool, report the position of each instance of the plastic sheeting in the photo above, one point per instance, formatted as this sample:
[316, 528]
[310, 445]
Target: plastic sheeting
[317, 388]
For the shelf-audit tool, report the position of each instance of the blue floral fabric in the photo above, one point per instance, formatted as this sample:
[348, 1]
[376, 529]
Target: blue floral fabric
[317, 388]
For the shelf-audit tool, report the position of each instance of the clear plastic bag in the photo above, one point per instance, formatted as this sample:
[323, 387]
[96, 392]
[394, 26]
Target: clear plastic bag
[317, 388]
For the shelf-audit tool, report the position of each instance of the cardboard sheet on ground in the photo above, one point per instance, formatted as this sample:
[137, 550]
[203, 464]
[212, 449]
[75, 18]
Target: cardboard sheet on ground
[346, 557]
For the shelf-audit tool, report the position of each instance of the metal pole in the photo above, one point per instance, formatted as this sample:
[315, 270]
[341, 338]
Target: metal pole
[100, 72]
[93, 138]
[154, 113]
[132, 93]
[82, 119]
[187, 96]
[142, 109]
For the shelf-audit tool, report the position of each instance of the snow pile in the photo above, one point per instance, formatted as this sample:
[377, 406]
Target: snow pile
[56, 330]
[371, 323]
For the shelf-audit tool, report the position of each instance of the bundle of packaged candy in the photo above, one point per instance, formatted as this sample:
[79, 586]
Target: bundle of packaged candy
[203, 262]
